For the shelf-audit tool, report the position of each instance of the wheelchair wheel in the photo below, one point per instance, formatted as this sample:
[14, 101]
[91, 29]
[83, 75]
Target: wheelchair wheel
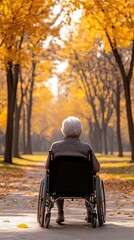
[39, 201]
[103, 202]
[42, 202]
[100, 200]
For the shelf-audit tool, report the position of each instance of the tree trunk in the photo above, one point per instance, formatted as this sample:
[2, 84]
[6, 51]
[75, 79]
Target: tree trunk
[118, 127]
[126, 83]
[16, 128]
[94, 136]
[24, 131]
[111, 143]
[12, 80]
[98, 139]
[98, 130]
[29, 144]
[130, 120]
[29, 110]
[105, 139]
[16, 132]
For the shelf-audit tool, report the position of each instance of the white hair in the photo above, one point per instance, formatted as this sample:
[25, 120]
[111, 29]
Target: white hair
[71, 127]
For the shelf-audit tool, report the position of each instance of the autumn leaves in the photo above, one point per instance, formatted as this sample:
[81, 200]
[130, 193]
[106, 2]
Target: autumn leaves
[99, 52]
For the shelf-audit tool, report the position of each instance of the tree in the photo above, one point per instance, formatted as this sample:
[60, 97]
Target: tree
[23, 24]
[21, 93]
[117, 89]
[112, 21]
[93, 74]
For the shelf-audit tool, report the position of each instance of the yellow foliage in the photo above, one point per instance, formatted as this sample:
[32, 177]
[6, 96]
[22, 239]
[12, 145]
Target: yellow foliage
[109, 18]
[48, 115]
[3, 101]
[22, 225]
[42, 97]
[3, 118]
[24, 27]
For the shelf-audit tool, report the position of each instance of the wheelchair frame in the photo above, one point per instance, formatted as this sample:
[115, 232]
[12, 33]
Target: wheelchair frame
[95, 200]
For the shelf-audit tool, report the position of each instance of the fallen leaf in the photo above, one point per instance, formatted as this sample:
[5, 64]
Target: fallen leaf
[22, 225]
[126, 213]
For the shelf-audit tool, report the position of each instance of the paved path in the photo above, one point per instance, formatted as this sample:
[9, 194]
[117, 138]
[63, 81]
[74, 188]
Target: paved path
[20, 207]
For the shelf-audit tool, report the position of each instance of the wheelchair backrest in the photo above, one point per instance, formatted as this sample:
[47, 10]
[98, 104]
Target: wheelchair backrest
[70, 176]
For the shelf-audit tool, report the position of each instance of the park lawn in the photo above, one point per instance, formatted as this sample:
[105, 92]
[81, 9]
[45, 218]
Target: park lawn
[114, 167]
[11, 173]
[24, 161]
[115, 171]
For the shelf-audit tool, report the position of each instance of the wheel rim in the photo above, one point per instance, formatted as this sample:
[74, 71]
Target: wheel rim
[39, 202]
[103, 202]
[99, 201]
[43, 203]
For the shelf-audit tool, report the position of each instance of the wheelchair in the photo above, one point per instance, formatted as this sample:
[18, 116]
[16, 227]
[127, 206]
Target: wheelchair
[71, 177]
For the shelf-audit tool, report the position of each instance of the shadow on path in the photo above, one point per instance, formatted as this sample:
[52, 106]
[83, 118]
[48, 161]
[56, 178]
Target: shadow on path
[21, 207]
[72, 231]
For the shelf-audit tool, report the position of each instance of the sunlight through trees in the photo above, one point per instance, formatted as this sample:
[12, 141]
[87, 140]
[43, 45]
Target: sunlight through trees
[88, 48]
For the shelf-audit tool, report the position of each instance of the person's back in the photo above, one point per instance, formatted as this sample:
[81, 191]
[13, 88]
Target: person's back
[75, 147]
[71, 145]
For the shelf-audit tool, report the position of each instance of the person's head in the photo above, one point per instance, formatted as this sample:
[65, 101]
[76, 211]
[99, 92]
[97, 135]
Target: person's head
[71, 127]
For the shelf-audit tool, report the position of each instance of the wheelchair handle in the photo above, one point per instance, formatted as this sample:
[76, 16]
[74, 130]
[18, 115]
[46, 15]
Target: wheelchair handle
[90, 156]
[51, 155]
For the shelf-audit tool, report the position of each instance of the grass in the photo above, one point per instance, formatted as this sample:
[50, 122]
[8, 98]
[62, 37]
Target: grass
[112, 166]
[24, 161]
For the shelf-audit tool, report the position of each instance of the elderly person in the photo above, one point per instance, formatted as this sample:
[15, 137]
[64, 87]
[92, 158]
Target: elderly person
[71, 145]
